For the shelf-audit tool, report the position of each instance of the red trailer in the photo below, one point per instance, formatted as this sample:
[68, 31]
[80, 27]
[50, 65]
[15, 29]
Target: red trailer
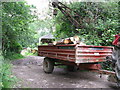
[83, 57]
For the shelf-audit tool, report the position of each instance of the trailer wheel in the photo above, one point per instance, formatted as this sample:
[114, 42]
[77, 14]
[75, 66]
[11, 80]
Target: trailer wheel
[71, 68]
[48, 65]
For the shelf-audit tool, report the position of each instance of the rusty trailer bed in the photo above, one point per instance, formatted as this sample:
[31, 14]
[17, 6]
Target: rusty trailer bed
[76, 53]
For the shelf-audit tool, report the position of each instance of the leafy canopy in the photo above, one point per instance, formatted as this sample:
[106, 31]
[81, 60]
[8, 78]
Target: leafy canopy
[16, 33]
[98, 22]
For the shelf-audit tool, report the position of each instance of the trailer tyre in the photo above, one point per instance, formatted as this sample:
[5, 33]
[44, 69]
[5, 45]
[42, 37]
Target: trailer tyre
[48, 65]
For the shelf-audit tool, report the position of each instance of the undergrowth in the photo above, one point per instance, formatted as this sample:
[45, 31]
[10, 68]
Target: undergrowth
[30, 54]
[7, 79]
[13, 56]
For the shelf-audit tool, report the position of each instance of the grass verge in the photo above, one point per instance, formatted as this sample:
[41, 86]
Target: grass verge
[14, 56]
[7, 79]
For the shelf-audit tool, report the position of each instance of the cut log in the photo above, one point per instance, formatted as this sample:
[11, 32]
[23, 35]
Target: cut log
[67, 41]
[71, 40]
[75, 39]
[58, 42]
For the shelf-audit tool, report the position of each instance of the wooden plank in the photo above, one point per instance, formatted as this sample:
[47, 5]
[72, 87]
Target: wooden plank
[93, 55]
[79, 51]
[57, 53]
[58, 57]
[57, 49]
[92, 46]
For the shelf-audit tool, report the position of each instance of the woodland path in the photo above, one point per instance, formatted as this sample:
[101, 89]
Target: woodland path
[30, 74]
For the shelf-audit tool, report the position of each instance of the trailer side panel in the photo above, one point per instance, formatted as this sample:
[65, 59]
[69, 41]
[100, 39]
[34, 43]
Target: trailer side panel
[92, 54]
[66, 53]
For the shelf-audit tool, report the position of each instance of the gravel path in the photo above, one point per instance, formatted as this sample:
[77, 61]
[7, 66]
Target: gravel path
[30, 74]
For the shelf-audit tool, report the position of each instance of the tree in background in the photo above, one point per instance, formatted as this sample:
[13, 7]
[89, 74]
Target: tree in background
[43, 27]
[16, 32]
[98, 22]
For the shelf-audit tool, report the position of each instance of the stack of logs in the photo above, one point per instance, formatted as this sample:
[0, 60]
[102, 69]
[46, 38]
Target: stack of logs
[71, 40]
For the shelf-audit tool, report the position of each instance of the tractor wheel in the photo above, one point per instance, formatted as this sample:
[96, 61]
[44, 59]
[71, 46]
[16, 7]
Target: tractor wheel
[116, 63]
[48, 65]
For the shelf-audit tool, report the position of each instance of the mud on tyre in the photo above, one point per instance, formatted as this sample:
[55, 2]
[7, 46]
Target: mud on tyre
[48, 65]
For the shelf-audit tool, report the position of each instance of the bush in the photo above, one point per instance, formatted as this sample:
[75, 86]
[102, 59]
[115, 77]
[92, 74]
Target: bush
[13, 56]
[6, 78]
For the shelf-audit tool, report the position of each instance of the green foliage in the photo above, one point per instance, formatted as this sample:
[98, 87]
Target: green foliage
[107, 65]
[98, 22]
[7, 80]
[30, 54]
[14, 56]
[1, 58]
[43, 27]
[16, 33]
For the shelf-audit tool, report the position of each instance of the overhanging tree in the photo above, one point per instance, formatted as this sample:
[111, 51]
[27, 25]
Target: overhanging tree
[98, 22]
[16, 17]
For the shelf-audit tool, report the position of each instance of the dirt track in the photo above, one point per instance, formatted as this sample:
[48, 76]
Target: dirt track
[31, 75]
